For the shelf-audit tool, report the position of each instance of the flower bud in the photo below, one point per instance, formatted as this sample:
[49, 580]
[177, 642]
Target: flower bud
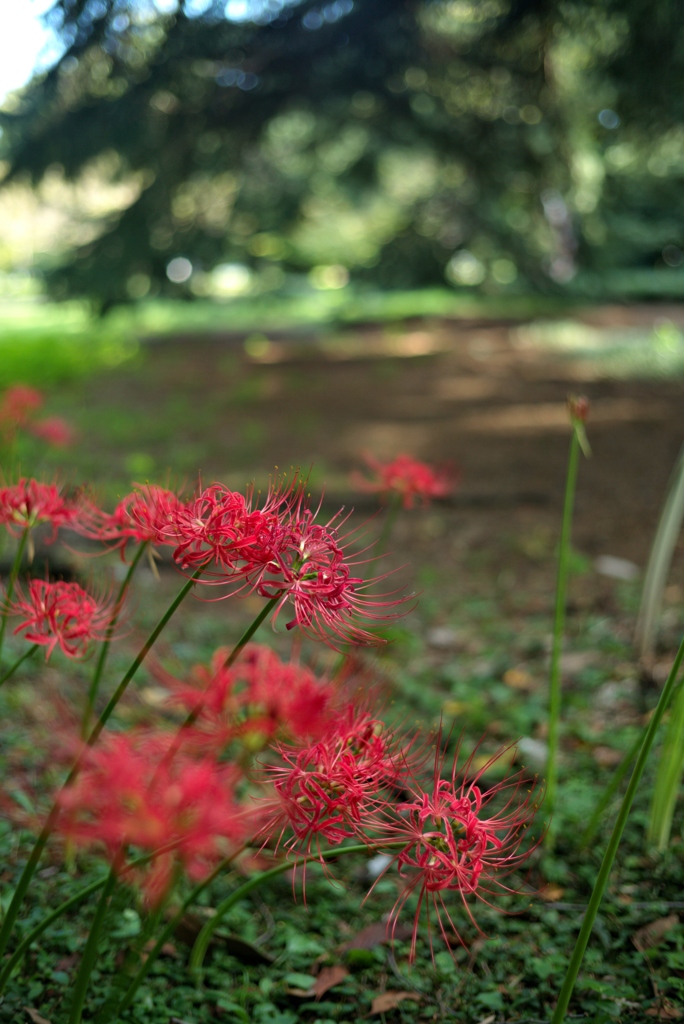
[578, 407]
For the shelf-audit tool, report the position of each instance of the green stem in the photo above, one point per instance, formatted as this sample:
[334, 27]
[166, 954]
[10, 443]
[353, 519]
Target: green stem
[611, 850]
[90, 952]
[558, 631]
[144, 651]
[668, 776]
[104, 649]
[14, 572]
[34, 858]
[203, 939]
[36, 932]
[164, 937]
[388, 525]
[18, 662]
[63, 908]
[609, 792]
[250, 631]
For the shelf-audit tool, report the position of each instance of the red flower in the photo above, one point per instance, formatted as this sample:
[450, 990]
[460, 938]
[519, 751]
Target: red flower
[28, 503]
[222, 528]
[280, 551]
[17, 407]
[60, 614]
[455, 842]
[283, 696]
[219, 526]
[54, 430]
[124, 796]
[311, 572]
[406, 477]
[333, 788]
[257, 698]
[145, 515]
[19, 402]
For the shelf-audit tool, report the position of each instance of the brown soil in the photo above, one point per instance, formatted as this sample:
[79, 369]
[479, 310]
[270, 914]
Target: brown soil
[445, 391]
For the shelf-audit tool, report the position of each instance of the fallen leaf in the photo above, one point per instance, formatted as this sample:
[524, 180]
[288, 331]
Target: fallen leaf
[328, 978]
[375, 934]
[552, 892]
[390, 1000]
[518, 679]
[245, 952]
[190, 925]
[35, 1016]
[665, 1012]
[607, 757]
[651, 934]
[455, 707]
[168, 949]
[68, 963]
[488, 1020]
[574, 662]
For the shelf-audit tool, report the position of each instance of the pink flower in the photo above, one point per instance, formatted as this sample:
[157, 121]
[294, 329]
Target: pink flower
[455, 842]
[60, 614]
[54, 430]
[28, 503]
[125, 797]
[331, 789]
[408, 478]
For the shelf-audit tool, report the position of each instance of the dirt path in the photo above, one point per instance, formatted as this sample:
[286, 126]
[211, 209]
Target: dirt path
[466, 392]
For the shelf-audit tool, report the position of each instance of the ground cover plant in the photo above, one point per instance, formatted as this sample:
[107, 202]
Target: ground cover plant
[439, 989]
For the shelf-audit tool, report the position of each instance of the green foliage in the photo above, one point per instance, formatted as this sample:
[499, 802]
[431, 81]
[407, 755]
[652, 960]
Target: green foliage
[43, 346]
[504, 145]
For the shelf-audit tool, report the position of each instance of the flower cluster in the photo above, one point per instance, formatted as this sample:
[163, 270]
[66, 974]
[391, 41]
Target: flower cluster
[253, 701]
[126, 796]
[17, 411]
[29, 503]
[332, 771]
[145, 516]
[408, 478]
[60, 614]
[277, 549]
[331, 789]
[454, 842]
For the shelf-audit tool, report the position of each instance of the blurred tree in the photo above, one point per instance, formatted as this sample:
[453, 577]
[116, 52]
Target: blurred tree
[402, 139]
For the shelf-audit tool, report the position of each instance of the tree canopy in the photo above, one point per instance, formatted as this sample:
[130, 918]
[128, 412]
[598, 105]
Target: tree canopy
[496, 142]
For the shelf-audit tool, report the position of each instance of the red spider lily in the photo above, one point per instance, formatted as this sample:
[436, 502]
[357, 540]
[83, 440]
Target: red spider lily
[257, 698]
[285, 696]
[125, 797]
[219, 526]
[456, 842]
[60, 614]
[332, 789]
[223, 528]
[145, 515]
[54, 430]
[28, 503]
[407, 477]
[311, 571]
[280, 551]
[17, 406]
